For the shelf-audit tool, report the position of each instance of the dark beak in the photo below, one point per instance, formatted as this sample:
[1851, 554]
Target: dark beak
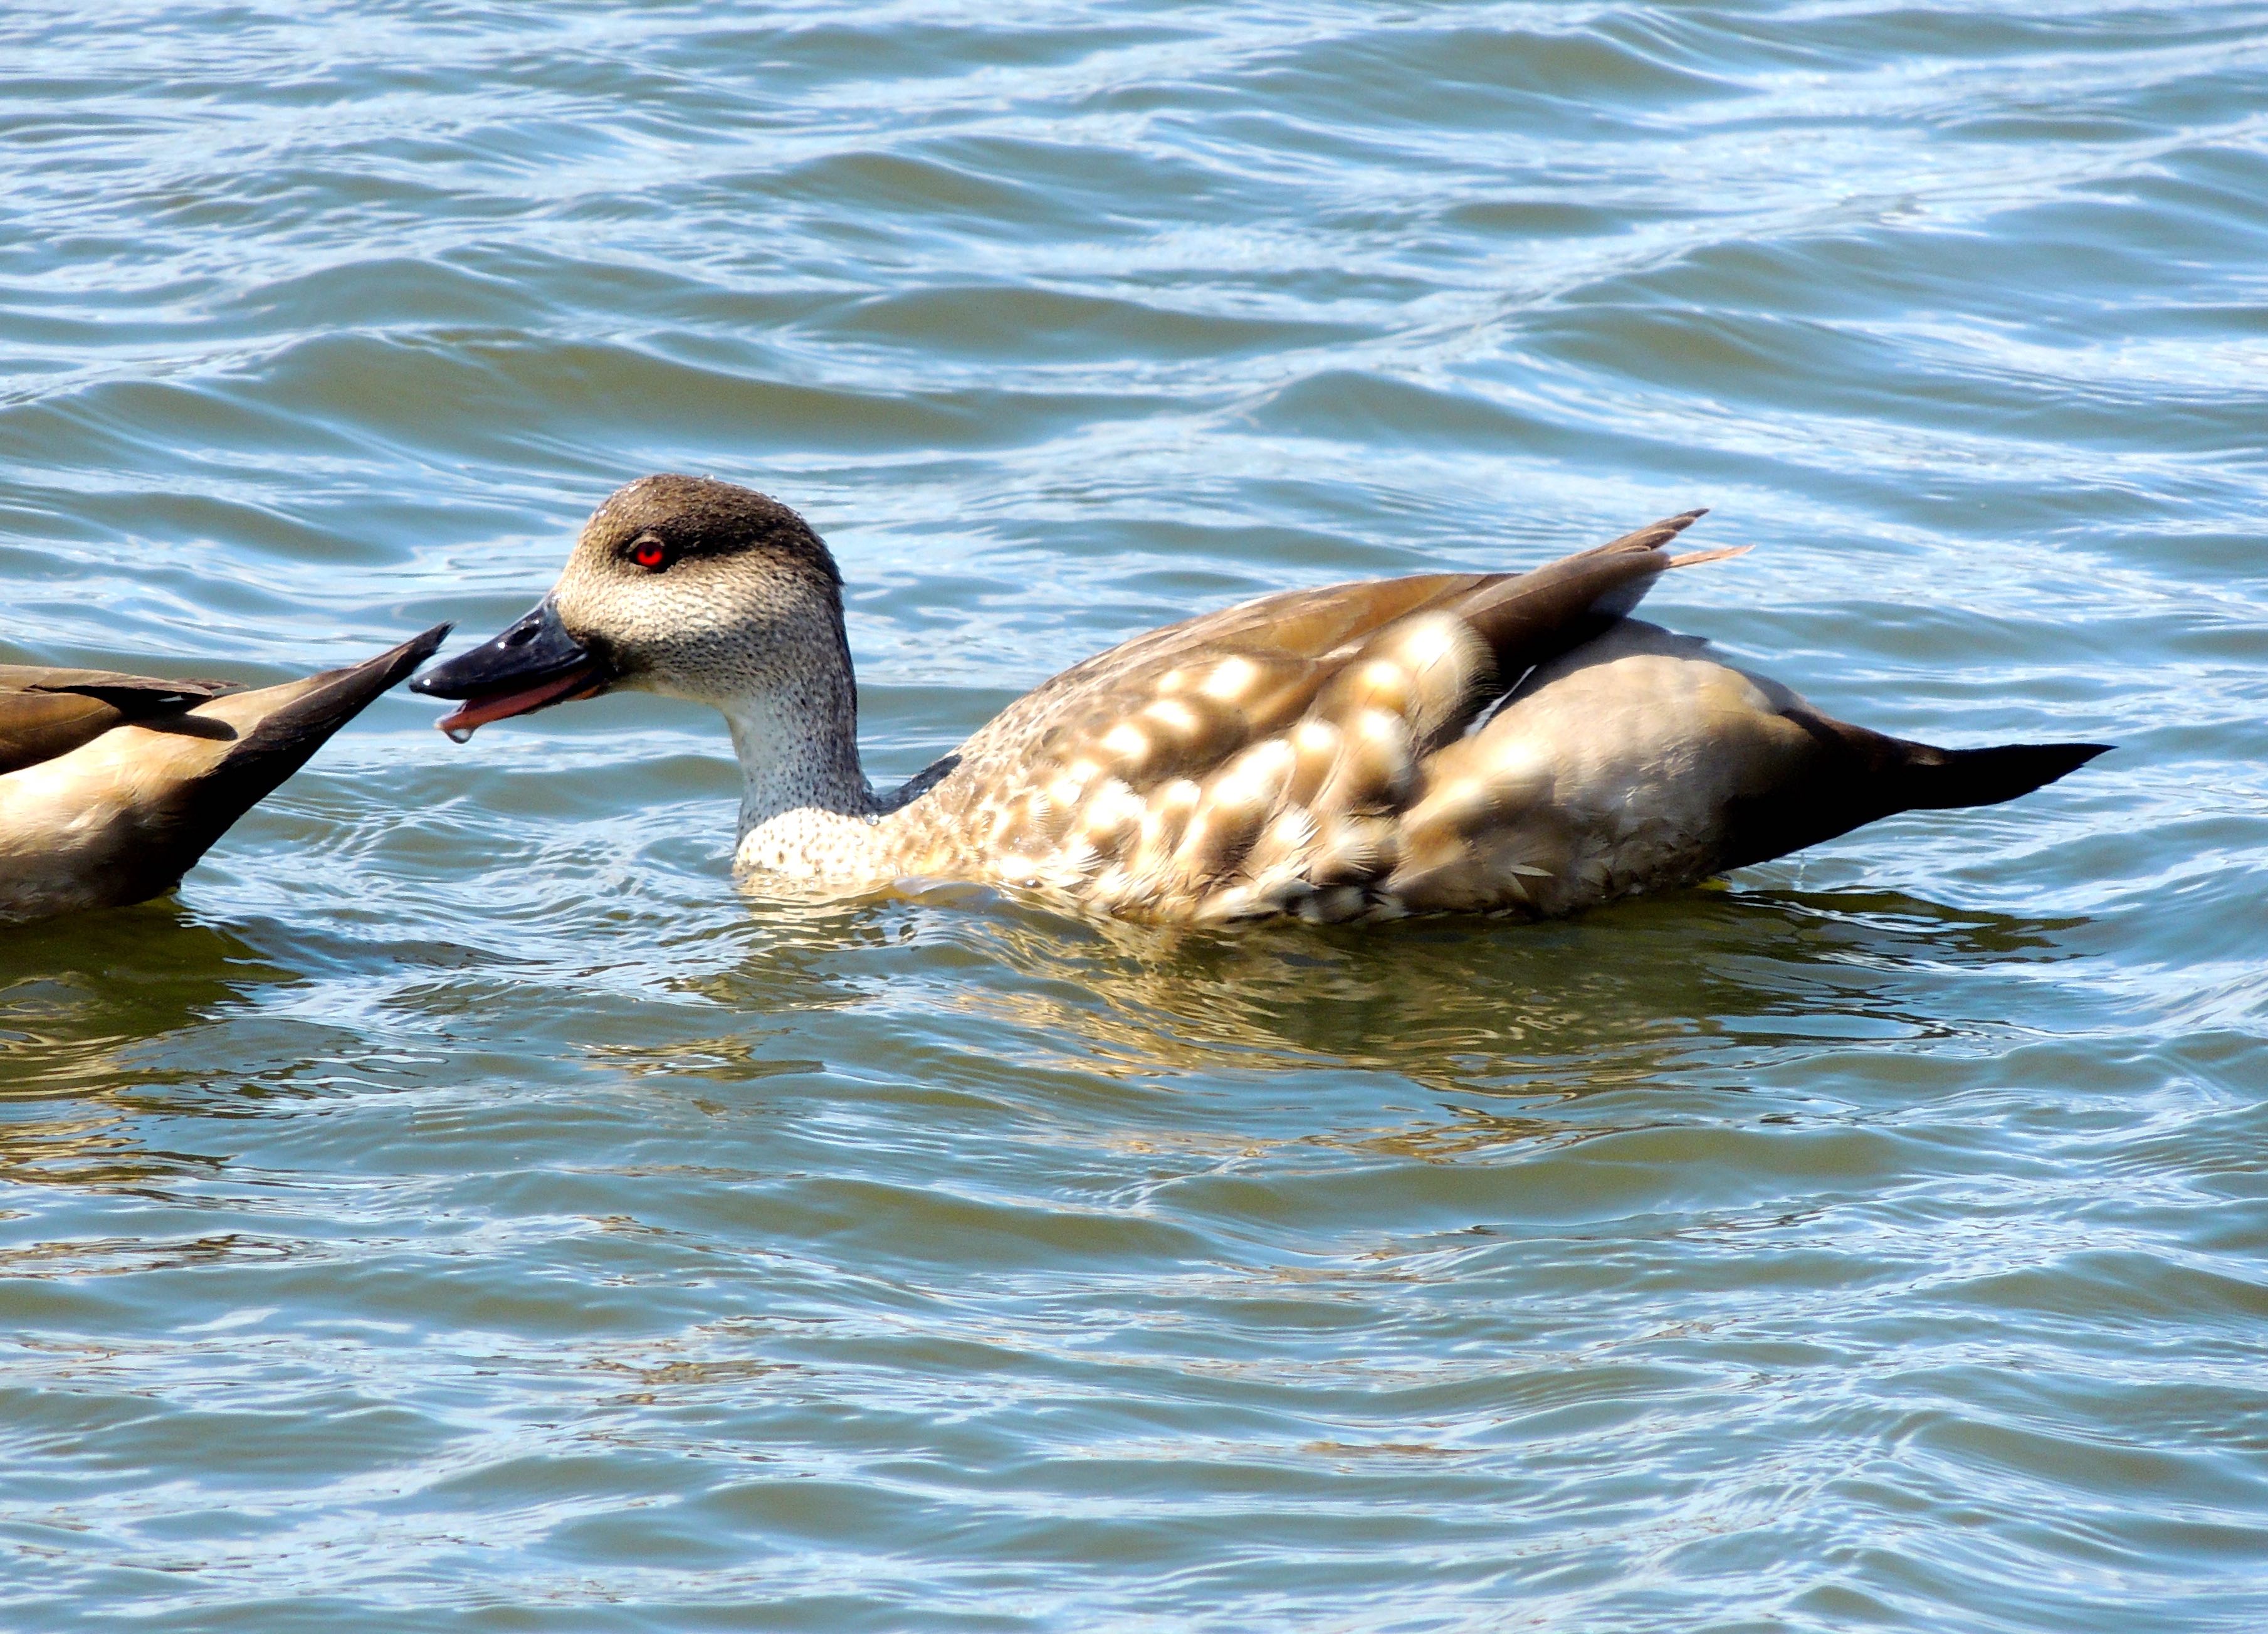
[533, 665]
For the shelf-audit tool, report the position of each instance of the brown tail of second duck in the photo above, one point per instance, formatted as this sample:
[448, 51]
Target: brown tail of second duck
[279, 729]
[121, 818]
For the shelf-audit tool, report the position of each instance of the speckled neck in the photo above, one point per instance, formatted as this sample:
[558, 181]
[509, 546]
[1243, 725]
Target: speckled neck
[800, 751]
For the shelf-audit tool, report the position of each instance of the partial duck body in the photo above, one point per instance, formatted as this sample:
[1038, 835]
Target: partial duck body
[113, 786]
[1509, 743]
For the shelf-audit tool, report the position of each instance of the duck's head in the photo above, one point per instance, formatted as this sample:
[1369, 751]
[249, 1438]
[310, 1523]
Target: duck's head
[679, 585]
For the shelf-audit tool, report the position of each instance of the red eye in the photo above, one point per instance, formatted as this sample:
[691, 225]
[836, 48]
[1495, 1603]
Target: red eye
[650, 554]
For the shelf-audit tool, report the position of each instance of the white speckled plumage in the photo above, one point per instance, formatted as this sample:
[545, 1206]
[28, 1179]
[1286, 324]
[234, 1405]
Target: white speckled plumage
[1499, 742]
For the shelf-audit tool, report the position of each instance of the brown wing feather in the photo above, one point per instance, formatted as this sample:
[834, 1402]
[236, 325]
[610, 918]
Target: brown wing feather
[1282, 726]
[1289, 635]
[106, 683]
[46, 712]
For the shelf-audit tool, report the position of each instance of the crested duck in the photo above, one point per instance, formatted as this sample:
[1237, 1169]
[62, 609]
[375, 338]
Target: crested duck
[113, 786]
[1491, 742]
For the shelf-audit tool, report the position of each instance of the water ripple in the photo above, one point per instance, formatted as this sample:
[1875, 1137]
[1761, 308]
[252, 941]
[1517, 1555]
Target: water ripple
[460, 1207]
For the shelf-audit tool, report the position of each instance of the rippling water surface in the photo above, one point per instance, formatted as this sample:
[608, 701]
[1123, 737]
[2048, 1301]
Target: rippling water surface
[458, 1209]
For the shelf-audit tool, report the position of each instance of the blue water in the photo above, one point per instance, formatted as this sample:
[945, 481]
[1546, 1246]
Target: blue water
[460, 1208]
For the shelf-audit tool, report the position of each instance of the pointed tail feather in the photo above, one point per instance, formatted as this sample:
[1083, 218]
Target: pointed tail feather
[279, 729]
[122, 818]
[1855, 776]
[1533, 617]
[1934, 780]
[1653, 537]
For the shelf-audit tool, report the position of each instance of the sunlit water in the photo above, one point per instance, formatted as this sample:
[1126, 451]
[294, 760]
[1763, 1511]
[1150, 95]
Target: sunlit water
[458, 1210]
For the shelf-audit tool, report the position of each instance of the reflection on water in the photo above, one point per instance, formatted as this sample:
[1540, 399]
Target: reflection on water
[88, 1009]
[75, 995]
[1614, 998]
[111, 1012]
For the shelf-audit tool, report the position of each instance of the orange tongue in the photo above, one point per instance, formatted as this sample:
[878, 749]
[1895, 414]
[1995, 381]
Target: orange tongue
[461, 721]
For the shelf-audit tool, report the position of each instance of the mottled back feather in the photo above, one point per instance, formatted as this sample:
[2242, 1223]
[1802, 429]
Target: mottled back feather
[1258, 755]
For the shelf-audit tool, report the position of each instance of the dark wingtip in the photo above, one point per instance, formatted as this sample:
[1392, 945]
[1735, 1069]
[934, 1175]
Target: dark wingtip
[396, 661]
[344, 693]
[2062, 759]
[418, 648]
[281, 742]
[1660, 533]
[423, 682]
[1653, 537]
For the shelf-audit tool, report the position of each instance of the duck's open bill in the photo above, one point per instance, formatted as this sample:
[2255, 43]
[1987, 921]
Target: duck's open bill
[530, 666]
